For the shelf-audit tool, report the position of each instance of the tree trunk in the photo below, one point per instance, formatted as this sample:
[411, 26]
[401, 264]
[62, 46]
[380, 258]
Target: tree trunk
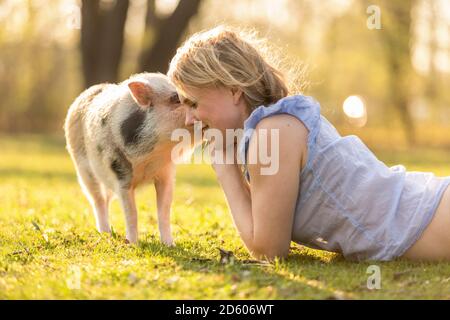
[167, 34]
[396, 35]
[431, 89]
[102, 39]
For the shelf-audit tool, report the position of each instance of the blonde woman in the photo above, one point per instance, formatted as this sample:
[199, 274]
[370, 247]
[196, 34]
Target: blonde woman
[329, 192]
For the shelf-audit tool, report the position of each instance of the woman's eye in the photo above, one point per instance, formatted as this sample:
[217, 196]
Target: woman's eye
[194, 105]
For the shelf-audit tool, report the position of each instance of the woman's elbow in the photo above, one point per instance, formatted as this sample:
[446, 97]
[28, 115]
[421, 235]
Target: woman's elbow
[268, 253]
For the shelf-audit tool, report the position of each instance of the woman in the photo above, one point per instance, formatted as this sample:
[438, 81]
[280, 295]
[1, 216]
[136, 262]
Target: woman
[329, 192]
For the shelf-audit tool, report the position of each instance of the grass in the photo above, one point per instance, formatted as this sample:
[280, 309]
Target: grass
[49, 248]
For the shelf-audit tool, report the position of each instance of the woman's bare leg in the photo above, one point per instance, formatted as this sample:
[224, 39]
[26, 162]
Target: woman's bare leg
[434, 244]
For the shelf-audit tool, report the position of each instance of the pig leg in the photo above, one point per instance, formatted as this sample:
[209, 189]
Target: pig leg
[97, 196]
[127, 201]
[164, 185]
[123, 170]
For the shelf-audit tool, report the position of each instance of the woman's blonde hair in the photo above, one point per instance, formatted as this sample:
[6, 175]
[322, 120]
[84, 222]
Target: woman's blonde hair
[232, 58]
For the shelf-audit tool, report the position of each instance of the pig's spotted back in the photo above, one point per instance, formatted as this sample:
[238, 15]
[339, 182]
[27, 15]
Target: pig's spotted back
[132, 125]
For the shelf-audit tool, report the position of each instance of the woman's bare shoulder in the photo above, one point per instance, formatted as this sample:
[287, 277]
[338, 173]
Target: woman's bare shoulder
[292, 133]
[284, 121]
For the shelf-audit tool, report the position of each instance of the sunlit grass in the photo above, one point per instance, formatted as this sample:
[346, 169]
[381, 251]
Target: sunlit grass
[46, 259]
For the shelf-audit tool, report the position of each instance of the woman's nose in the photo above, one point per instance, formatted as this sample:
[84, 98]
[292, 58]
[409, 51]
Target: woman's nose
[190, 118]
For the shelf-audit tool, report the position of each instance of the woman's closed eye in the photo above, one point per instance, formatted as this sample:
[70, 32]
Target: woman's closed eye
[190, 103]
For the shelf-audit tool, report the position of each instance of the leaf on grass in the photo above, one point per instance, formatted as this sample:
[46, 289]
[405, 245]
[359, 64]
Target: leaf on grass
[337, 296]
[400, 274]
[172, 280]
[226, 256]
[113, 233]
[235, 278]
[36, 226]
[133, 279]
[17, 252]
[201, 260]
[257, 262]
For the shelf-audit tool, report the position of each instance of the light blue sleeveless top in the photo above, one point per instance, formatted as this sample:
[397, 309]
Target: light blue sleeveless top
[349, 201]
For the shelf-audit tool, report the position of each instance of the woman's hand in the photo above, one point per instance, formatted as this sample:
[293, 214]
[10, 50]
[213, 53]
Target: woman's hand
[223, 159]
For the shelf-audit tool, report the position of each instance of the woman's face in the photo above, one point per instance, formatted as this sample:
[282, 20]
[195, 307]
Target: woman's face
[219, 108]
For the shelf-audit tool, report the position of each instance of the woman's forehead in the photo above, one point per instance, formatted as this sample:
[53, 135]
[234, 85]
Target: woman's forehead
[194, 94]
[188, 93]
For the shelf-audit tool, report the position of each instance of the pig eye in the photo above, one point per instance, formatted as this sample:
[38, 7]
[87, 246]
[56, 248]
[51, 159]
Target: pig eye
[174, 99]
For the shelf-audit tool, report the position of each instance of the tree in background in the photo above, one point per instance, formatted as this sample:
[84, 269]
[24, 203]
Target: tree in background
[102, 37]
[166, 33]
[41, 71]
[396, 36]
[35, 85]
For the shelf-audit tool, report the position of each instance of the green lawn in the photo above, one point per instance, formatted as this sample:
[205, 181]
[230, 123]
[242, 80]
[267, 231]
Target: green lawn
[49, 248]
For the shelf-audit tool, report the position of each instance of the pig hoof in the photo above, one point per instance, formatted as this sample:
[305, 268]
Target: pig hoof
[130, 242]
[168, 242]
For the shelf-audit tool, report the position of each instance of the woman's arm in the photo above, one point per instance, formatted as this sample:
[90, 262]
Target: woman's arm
[263, 212]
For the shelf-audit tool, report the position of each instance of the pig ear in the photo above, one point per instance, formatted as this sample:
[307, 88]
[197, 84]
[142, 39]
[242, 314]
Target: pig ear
[142, 93]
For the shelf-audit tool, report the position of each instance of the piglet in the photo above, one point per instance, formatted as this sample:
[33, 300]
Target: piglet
[119, 137]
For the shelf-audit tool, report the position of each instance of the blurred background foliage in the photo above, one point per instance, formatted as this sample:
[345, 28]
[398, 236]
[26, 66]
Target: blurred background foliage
[400, 74]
